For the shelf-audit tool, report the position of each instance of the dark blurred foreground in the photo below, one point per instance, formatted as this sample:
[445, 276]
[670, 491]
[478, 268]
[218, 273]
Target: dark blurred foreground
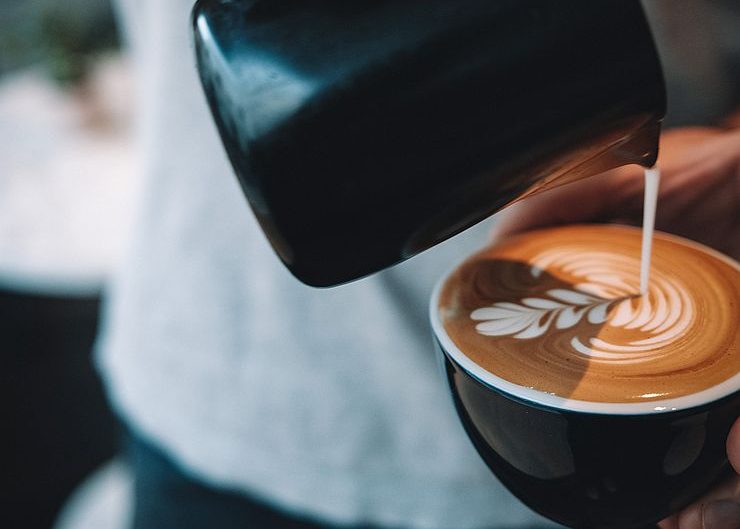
[57, 424]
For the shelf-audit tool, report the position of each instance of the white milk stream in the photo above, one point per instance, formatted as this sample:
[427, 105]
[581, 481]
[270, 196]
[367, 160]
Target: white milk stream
[652, 180]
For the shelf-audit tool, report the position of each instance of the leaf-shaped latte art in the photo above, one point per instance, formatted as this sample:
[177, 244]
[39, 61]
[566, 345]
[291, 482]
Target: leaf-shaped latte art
[535, 316]
[604, 297]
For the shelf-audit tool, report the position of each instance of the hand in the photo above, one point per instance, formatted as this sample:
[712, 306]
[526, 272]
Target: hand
[699, 195]
[699, 198]
[720, 507]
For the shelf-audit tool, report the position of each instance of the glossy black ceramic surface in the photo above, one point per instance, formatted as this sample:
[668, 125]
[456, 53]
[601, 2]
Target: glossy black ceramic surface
[594, 471]
[364, 132]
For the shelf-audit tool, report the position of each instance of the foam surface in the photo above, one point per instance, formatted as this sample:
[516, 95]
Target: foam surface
[559, 311]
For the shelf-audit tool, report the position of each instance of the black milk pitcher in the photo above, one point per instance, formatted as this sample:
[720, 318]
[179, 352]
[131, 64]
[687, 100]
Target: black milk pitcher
[363, 132]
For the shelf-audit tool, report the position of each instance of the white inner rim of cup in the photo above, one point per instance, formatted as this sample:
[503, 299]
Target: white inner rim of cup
[706, 396]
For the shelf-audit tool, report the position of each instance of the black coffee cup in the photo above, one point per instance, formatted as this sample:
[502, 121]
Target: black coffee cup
[364, 132]
[591, 465]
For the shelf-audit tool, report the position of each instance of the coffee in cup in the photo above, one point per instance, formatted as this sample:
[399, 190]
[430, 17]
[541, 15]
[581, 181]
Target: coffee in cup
[559, 311]
[598, 407]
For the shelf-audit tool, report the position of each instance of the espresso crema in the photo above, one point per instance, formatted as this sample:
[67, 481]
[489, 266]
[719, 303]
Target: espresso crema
[559, 311]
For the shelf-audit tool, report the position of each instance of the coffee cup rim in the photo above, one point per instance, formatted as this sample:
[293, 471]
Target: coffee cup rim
[694, 400]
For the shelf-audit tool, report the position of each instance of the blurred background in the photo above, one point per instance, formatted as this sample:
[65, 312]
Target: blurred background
[67, 187]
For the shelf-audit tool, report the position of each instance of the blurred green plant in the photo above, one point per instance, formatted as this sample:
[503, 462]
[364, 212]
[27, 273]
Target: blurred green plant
[71, 42]
[64, 36]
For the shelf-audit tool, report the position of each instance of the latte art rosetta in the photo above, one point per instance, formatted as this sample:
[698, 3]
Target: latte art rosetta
[559, 311]
[607, 294]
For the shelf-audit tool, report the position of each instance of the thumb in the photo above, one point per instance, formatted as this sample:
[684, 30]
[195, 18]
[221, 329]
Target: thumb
[720, 508]
[733, 446]
[725, 512]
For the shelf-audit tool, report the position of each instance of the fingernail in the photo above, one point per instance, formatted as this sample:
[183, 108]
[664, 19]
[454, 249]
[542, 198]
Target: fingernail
[723, 514]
